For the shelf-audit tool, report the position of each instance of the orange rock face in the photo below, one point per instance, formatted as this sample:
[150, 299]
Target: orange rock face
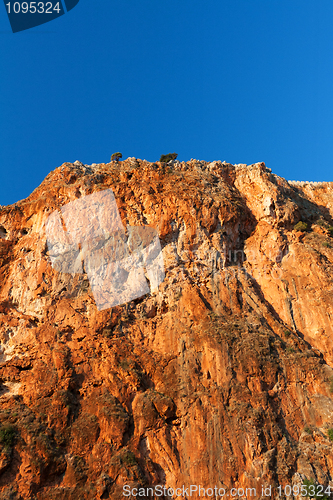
[222, 378]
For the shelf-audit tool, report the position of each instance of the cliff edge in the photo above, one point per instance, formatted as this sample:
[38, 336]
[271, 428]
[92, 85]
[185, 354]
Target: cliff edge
[222, 377]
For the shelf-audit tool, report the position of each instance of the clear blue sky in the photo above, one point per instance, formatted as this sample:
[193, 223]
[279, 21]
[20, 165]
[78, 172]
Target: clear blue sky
[235, 80]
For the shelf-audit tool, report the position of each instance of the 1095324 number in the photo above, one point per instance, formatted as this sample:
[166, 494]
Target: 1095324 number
[32, 7]
[305, 490]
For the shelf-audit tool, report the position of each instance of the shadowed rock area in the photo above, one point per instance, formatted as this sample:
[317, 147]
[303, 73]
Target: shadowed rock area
[223, 376]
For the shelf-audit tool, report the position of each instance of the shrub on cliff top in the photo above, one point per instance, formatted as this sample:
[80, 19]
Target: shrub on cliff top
[330, 434]
[116, 156]
[301, 226]
[168, 157]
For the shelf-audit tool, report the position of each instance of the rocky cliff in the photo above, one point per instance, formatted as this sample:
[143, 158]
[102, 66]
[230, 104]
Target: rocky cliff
[222, 378]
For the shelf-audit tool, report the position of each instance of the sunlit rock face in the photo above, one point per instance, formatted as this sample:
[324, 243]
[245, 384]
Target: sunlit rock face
[216, 371]
[88, 236]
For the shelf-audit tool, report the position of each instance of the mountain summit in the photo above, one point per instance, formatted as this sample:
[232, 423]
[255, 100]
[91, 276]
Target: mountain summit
[220, 376]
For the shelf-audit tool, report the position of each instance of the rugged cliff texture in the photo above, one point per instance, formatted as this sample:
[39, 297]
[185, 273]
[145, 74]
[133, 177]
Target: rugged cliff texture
[221, 378]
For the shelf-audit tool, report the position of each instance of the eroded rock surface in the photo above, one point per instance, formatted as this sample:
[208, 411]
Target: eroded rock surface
[221, 377]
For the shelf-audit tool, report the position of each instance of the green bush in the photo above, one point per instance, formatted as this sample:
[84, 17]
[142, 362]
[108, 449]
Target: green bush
[129, 458]
[308, 430]
[330, 434]
[7, 435]
[326, 244]
[324, 224]
[168, 157]
[313, 490]
[116, 156]
[301, 226]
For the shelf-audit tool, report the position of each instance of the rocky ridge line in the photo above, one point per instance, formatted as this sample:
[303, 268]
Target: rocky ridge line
[222, 377]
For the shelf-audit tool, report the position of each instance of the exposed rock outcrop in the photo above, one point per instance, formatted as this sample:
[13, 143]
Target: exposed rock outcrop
[221, 378]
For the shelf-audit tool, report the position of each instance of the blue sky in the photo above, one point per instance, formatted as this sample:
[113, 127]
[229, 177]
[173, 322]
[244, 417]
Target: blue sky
[235, 80]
